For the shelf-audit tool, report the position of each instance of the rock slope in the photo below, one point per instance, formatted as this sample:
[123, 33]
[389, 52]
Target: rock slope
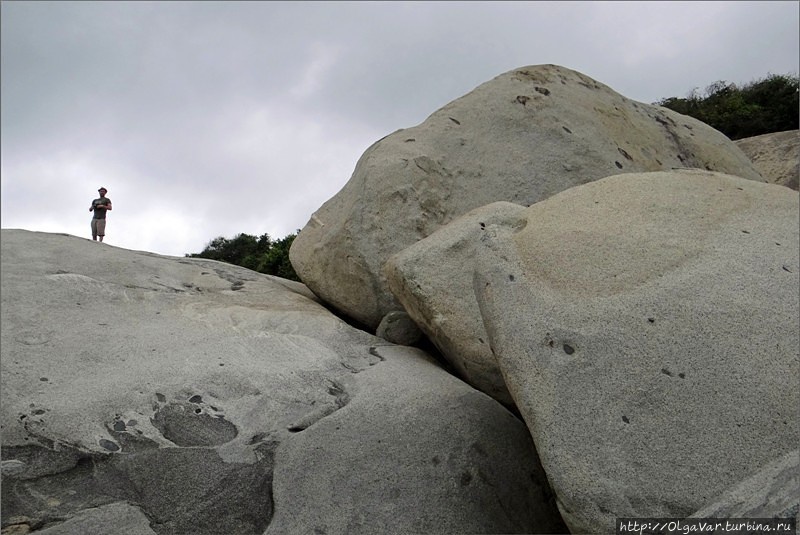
[150, 394]
[776, 156]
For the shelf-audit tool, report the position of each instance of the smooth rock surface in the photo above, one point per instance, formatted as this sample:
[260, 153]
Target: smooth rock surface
[520, 137]
[776, 156]
[646, 326]
[432, 279]
[214, 399]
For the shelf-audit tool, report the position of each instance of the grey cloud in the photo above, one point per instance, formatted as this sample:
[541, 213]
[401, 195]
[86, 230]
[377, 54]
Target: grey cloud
[205, 102]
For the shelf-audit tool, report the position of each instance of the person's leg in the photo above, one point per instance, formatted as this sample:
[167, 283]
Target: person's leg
[94, 229]
[101, 228]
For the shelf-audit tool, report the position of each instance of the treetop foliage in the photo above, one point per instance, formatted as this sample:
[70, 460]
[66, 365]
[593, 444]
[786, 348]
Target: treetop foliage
[759, 107]
[259, 253]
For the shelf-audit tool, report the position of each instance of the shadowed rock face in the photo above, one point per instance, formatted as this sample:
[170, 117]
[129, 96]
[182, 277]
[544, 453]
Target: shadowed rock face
[773, 491]
[149, 394]
[521, 137]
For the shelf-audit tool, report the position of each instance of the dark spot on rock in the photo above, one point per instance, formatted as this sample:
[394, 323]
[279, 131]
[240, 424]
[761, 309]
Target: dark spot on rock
[465, 479]
[160, 397]
[108, 444]
[483, 225]
[625, 154]
[619, 165]
[651, 320]
[746, 232]
[543, 90]
[568, 349]
[659, 162]
[119, 426]
[196, 399]
[436, 460]
[666, 372]
[787, 269]
[37, 412]
[238, 285]
[481, 340]
[198, 410]
[740, 189]
[221, 364]
[131, 423]
[567, 130]
[682, 375]
[454, 120]
[44, 379]
[511, 278]
[410, 140]
[522, 99]
[22, 416]
[477, 448]
[625, 419]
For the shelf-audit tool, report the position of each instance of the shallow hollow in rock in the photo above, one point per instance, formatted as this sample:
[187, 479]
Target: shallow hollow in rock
[186, 424]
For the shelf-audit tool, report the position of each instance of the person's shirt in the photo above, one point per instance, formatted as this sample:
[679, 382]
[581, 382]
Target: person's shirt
[98, 206]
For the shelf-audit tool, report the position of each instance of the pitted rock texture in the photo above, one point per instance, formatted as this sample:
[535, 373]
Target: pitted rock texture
[522, 137]
[646, 325]
[192, 396]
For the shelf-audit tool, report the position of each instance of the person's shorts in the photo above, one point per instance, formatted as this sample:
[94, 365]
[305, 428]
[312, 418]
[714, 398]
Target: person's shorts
[98, 227]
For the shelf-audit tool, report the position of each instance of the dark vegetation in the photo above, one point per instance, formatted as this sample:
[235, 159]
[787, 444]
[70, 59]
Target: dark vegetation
[760, 107]
[260, 253]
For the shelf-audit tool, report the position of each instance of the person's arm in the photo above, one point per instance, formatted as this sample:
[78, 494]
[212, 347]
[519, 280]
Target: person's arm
[91, 208]
[108, 205]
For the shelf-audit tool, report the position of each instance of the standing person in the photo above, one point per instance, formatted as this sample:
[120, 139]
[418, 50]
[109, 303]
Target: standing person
[100, 207]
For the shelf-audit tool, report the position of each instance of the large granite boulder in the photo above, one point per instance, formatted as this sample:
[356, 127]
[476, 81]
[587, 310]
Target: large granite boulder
[776, 156]
[646, 326]
[521, 137]
[432, 279]
[143, 393]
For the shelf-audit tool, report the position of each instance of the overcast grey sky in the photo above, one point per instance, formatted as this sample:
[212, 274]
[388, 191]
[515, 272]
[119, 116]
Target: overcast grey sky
[208, 119]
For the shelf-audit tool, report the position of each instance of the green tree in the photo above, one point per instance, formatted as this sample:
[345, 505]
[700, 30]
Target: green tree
[760, 107]
[257, 253]
[276, 261]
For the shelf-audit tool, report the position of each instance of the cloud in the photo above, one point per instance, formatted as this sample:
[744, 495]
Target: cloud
[213, 118]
